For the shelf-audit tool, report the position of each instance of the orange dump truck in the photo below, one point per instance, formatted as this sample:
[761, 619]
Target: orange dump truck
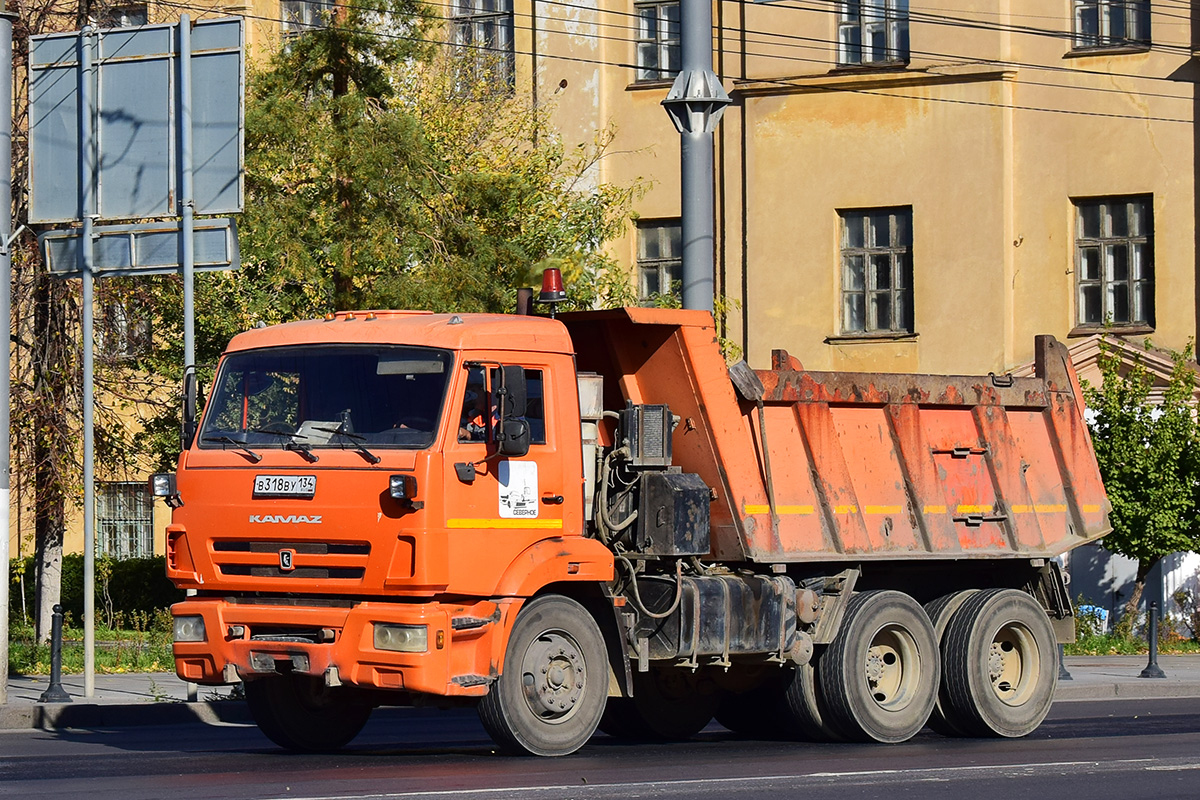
[594, 522]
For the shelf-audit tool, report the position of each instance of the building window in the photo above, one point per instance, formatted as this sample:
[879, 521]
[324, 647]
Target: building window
[483, 29]
[872, 32]
[124, 520]
[658, 55]
[877, 271]
[130, 15]
[123, 330]
[660, 260]
[1112, 23]
[302, 15]
[1114, 261]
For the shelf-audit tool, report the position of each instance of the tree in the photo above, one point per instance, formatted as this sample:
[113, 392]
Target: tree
[418, 183]
[1149, 456]
[47, 348]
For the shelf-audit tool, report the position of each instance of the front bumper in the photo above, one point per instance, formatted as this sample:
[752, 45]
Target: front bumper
[245, 640]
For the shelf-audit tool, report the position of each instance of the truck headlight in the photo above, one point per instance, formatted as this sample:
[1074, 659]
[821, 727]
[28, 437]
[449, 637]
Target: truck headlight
[401, 638]
[162, 484]
[189, 629]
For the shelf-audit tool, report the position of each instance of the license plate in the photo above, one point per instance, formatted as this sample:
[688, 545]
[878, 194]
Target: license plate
[285, 485]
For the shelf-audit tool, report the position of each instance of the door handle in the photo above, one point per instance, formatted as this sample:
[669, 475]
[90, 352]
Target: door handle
[552, 499]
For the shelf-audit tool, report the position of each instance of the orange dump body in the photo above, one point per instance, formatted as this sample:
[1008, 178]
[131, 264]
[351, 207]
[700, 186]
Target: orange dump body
[859, 466]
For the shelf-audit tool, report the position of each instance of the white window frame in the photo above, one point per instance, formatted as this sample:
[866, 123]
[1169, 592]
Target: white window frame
[659, 258]
[124, 520]
[877, 275]
[125, 15]
[872, 32]
[658, 40]
[1114, 261]
[298, 16]
[483, 31]
[1112, 23]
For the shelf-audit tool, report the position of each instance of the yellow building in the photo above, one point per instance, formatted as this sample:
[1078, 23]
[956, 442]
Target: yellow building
[909, 187]
[900, 186]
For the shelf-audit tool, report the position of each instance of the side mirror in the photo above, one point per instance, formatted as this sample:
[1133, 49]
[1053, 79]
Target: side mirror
[191, 391]
[512, 434]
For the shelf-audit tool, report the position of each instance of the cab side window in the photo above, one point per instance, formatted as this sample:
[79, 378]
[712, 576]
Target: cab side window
[475, 416]
[535, 411]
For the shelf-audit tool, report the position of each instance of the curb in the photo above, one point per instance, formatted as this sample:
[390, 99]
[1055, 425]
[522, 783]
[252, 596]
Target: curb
[1144, 689]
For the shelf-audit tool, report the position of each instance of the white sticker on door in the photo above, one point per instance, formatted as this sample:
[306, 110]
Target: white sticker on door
[518, 489]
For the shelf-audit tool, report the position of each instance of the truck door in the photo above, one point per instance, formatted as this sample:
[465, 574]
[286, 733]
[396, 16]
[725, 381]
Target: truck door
[496, 506]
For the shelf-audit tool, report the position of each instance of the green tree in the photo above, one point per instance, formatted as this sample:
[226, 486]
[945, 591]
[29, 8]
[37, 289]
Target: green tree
[419, 182]
[1149, 456]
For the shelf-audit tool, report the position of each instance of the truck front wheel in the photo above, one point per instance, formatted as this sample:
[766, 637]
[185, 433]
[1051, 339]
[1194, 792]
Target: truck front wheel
[298, 712]
[549, 698]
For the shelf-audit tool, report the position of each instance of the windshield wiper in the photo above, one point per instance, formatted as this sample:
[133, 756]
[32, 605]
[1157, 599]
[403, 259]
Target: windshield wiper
[253, 456]
[354, 437]
[291, 443]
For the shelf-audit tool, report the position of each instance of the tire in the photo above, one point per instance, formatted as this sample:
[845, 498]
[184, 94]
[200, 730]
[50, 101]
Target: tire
[940, 612]
[879, 677]
[802, 713]
[549, 698]
[1001, 664]
[298, 712]
[669, 704]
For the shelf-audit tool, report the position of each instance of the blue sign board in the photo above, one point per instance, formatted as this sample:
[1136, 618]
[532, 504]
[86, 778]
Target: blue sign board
[135, 90]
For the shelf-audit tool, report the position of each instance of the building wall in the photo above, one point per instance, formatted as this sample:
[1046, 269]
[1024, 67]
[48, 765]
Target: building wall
[989, 134]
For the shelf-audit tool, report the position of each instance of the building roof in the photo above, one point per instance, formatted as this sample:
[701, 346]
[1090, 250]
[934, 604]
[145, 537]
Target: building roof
[1158, 362]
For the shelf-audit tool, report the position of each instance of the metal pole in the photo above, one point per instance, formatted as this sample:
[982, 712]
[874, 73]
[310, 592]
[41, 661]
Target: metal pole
[55, 693]
[187, 201]
[86, 212]
[6, 82]
[696, 165]
[1152, 669]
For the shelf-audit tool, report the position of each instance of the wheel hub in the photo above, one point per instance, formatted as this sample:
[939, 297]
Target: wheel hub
[553, 676]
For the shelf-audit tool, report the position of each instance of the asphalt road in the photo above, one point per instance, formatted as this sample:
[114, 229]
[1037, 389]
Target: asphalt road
[1087, 749]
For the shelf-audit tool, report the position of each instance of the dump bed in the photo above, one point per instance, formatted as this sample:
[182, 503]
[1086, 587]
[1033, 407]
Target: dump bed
[832, 466]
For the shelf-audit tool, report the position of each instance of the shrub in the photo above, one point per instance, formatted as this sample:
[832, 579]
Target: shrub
[133, 585]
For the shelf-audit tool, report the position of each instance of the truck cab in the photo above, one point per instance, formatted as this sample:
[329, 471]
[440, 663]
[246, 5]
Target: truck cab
[369, 498]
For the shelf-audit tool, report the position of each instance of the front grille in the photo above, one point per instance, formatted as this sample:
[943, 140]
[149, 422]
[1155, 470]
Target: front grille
[342, 573]
[291, 560]
[301, 548]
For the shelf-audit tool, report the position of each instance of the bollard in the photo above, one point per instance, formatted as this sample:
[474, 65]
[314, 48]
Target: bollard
[55, 693]
[1152, 669]
[1063, 675]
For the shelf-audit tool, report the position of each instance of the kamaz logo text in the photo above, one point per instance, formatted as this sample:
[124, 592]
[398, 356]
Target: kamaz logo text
[290, 519]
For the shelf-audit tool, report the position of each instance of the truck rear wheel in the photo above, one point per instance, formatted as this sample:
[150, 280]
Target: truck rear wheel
[940, 611]
[1001, 664]
[879, 677]
[298, 712]
[549, 698]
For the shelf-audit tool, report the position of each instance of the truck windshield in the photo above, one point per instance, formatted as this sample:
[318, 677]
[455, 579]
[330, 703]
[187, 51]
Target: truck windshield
[334, 396]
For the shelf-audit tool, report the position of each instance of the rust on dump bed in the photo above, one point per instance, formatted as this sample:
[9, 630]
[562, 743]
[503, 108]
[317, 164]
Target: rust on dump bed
[862, 465]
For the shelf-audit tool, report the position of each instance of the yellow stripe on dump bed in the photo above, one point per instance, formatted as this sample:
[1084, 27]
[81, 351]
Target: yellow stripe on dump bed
[779, 509]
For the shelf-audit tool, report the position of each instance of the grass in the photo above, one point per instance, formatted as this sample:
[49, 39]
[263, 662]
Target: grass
[140, 643]
[1111, 644]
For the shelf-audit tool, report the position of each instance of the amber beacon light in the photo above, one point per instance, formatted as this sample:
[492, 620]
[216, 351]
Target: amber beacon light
[552, 289]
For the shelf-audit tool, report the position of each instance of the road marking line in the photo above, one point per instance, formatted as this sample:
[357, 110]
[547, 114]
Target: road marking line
[923, 774]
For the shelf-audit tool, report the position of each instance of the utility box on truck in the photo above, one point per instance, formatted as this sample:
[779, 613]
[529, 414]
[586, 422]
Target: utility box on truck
[594, 522]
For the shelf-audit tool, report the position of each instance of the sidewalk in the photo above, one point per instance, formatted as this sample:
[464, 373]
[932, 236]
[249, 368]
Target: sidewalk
[160, 698]
[139, 698]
